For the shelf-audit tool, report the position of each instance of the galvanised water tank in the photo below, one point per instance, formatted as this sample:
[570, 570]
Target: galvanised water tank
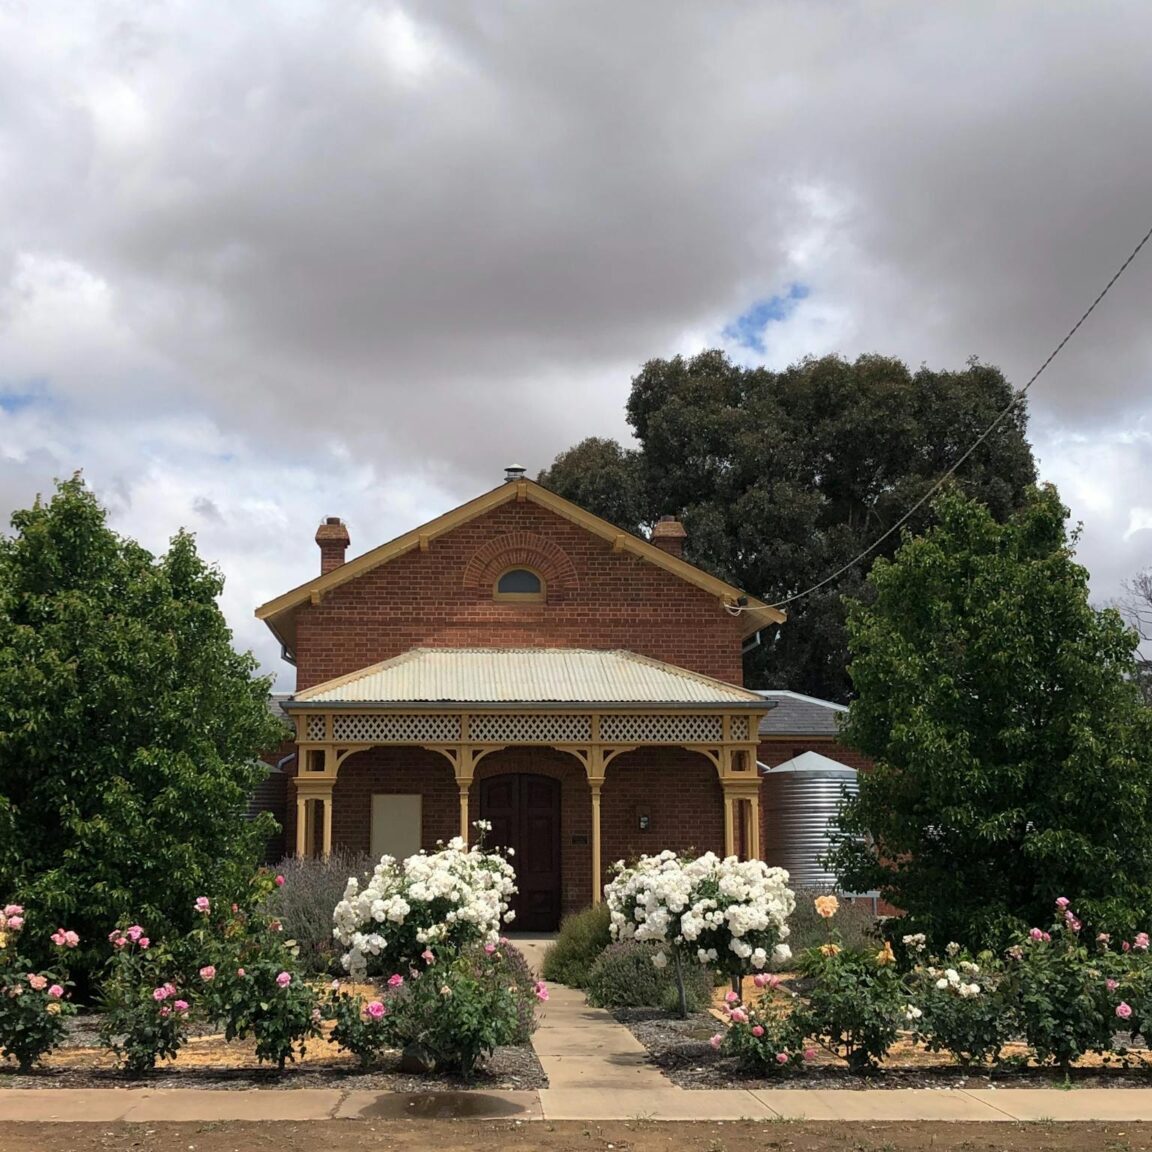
[802, 799]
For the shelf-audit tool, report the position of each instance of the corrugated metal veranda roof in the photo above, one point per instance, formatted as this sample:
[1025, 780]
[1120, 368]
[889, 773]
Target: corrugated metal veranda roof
[525, 675]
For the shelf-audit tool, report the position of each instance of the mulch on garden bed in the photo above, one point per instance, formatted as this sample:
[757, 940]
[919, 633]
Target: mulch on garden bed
[680, 1049]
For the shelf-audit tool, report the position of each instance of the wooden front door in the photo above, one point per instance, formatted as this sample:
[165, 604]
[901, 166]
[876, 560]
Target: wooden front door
[525, 815]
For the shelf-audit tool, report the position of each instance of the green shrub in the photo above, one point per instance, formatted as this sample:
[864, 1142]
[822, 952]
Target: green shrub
[303, 903]
[763, 1039]
[583, 936]
[625, 976]
[360, 1026]
[510, 968]
[855, 922]
[457, 1011]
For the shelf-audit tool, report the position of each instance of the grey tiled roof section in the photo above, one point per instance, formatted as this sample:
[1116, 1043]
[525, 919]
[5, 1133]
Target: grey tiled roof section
[276, 705]
[797, 715]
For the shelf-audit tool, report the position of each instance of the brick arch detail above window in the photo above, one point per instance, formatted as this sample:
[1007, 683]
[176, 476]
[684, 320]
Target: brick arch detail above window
[521, 550]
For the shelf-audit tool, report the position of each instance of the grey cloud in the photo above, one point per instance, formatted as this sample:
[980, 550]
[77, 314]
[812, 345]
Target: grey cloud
[447, 237]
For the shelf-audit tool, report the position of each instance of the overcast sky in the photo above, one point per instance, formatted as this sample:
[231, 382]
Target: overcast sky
[266, 262]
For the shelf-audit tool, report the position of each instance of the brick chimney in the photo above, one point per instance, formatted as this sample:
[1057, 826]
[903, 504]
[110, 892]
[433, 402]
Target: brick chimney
[668, 534]
[333, 538]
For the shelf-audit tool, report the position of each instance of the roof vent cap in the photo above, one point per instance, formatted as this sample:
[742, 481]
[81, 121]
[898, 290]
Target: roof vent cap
[514, 472]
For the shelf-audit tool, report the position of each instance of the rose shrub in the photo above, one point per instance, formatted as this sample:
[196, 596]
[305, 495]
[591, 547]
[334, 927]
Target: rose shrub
[766, 1037]
[448, 899]
[728, 914]
[33, 1004]
[144, 1015]
[451, 1011]
[957, 1005]
[249, 982]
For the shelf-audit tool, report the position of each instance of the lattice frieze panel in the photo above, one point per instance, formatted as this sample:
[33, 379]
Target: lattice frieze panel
[364, 728]
[738, 727]
[315, 728]
[661, 729]
[530, 728]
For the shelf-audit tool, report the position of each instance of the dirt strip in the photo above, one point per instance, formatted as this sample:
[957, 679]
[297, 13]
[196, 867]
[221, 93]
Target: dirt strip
[624, 1136]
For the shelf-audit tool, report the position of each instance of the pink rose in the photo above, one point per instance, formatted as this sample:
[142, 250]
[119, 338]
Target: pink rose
[1103, 938]
[781, 1057]
[1123, 1010]
[37, 982]
[738, 1015]
[809, 1053]
[1141, 942]
[757, 1031]
[13, 909]
[115, 936]
[180, 1007]
[165, 1012]
[203, 905]
[161, 993]
[1125, 946]
[135, 932]
[395, 980]
[63, 939]
[375, 1009]
[731, 998]
[56, 992]
[208, 972]
[764, 980]
[284, 979]
[1062, 902]
[241, 973]
[279, 881]
[1035, 934]
[427, 956]
[541, 990]
[144, 942]
[489, 948]
[15, 923]
[1111, 985]
[716, 1040]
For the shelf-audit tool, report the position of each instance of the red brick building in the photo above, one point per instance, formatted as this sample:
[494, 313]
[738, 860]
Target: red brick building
[521, 660]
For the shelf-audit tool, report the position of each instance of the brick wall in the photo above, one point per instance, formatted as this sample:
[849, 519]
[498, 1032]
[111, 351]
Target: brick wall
[779, 749]
[680, 793]
[596, 598]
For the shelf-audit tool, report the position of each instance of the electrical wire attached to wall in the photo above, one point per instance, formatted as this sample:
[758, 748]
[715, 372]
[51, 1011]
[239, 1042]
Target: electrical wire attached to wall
[1016, 398]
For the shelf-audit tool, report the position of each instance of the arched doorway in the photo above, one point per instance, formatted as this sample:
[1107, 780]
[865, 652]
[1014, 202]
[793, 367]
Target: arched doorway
[524, 811]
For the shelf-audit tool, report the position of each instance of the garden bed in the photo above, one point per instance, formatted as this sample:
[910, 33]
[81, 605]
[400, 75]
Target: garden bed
[207, 1061]
[680, 1049]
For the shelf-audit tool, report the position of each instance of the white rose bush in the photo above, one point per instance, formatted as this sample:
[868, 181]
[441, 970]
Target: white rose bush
[724, 913]
[433, 901]
[455, 989]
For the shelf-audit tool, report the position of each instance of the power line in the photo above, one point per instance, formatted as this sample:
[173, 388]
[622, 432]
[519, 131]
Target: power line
[1016, 398]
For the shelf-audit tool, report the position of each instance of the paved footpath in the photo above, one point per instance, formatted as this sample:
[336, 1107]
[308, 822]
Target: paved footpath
[597, 1070]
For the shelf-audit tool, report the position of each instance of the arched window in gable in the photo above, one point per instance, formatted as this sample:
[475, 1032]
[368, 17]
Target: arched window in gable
[519, 584]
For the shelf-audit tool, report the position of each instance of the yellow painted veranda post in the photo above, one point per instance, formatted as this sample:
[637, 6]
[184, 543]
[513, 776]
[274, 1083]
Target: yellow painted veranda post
[301, 824]
[597, 874]
[464, 812]
[327, 802]
[729, 825]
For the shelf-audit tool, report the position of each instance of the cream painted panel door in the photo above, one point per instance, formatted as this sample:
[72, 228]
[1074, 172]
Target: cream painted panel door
[395, 825]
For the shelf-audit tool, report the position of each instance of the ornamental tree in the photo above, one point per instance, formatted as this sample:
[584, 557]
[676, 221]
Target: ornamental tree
[1013, 759]
[129, 729]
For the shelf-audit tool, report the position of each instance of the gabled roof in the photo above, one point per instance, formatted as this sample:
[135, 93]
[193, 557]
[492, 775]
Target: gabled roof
[794, 714]
[525, 676]
[279, 614]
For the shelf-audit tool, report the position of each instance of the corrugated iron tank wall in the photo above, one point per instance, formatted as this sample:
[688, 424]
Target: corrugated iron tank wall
[801, 806]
